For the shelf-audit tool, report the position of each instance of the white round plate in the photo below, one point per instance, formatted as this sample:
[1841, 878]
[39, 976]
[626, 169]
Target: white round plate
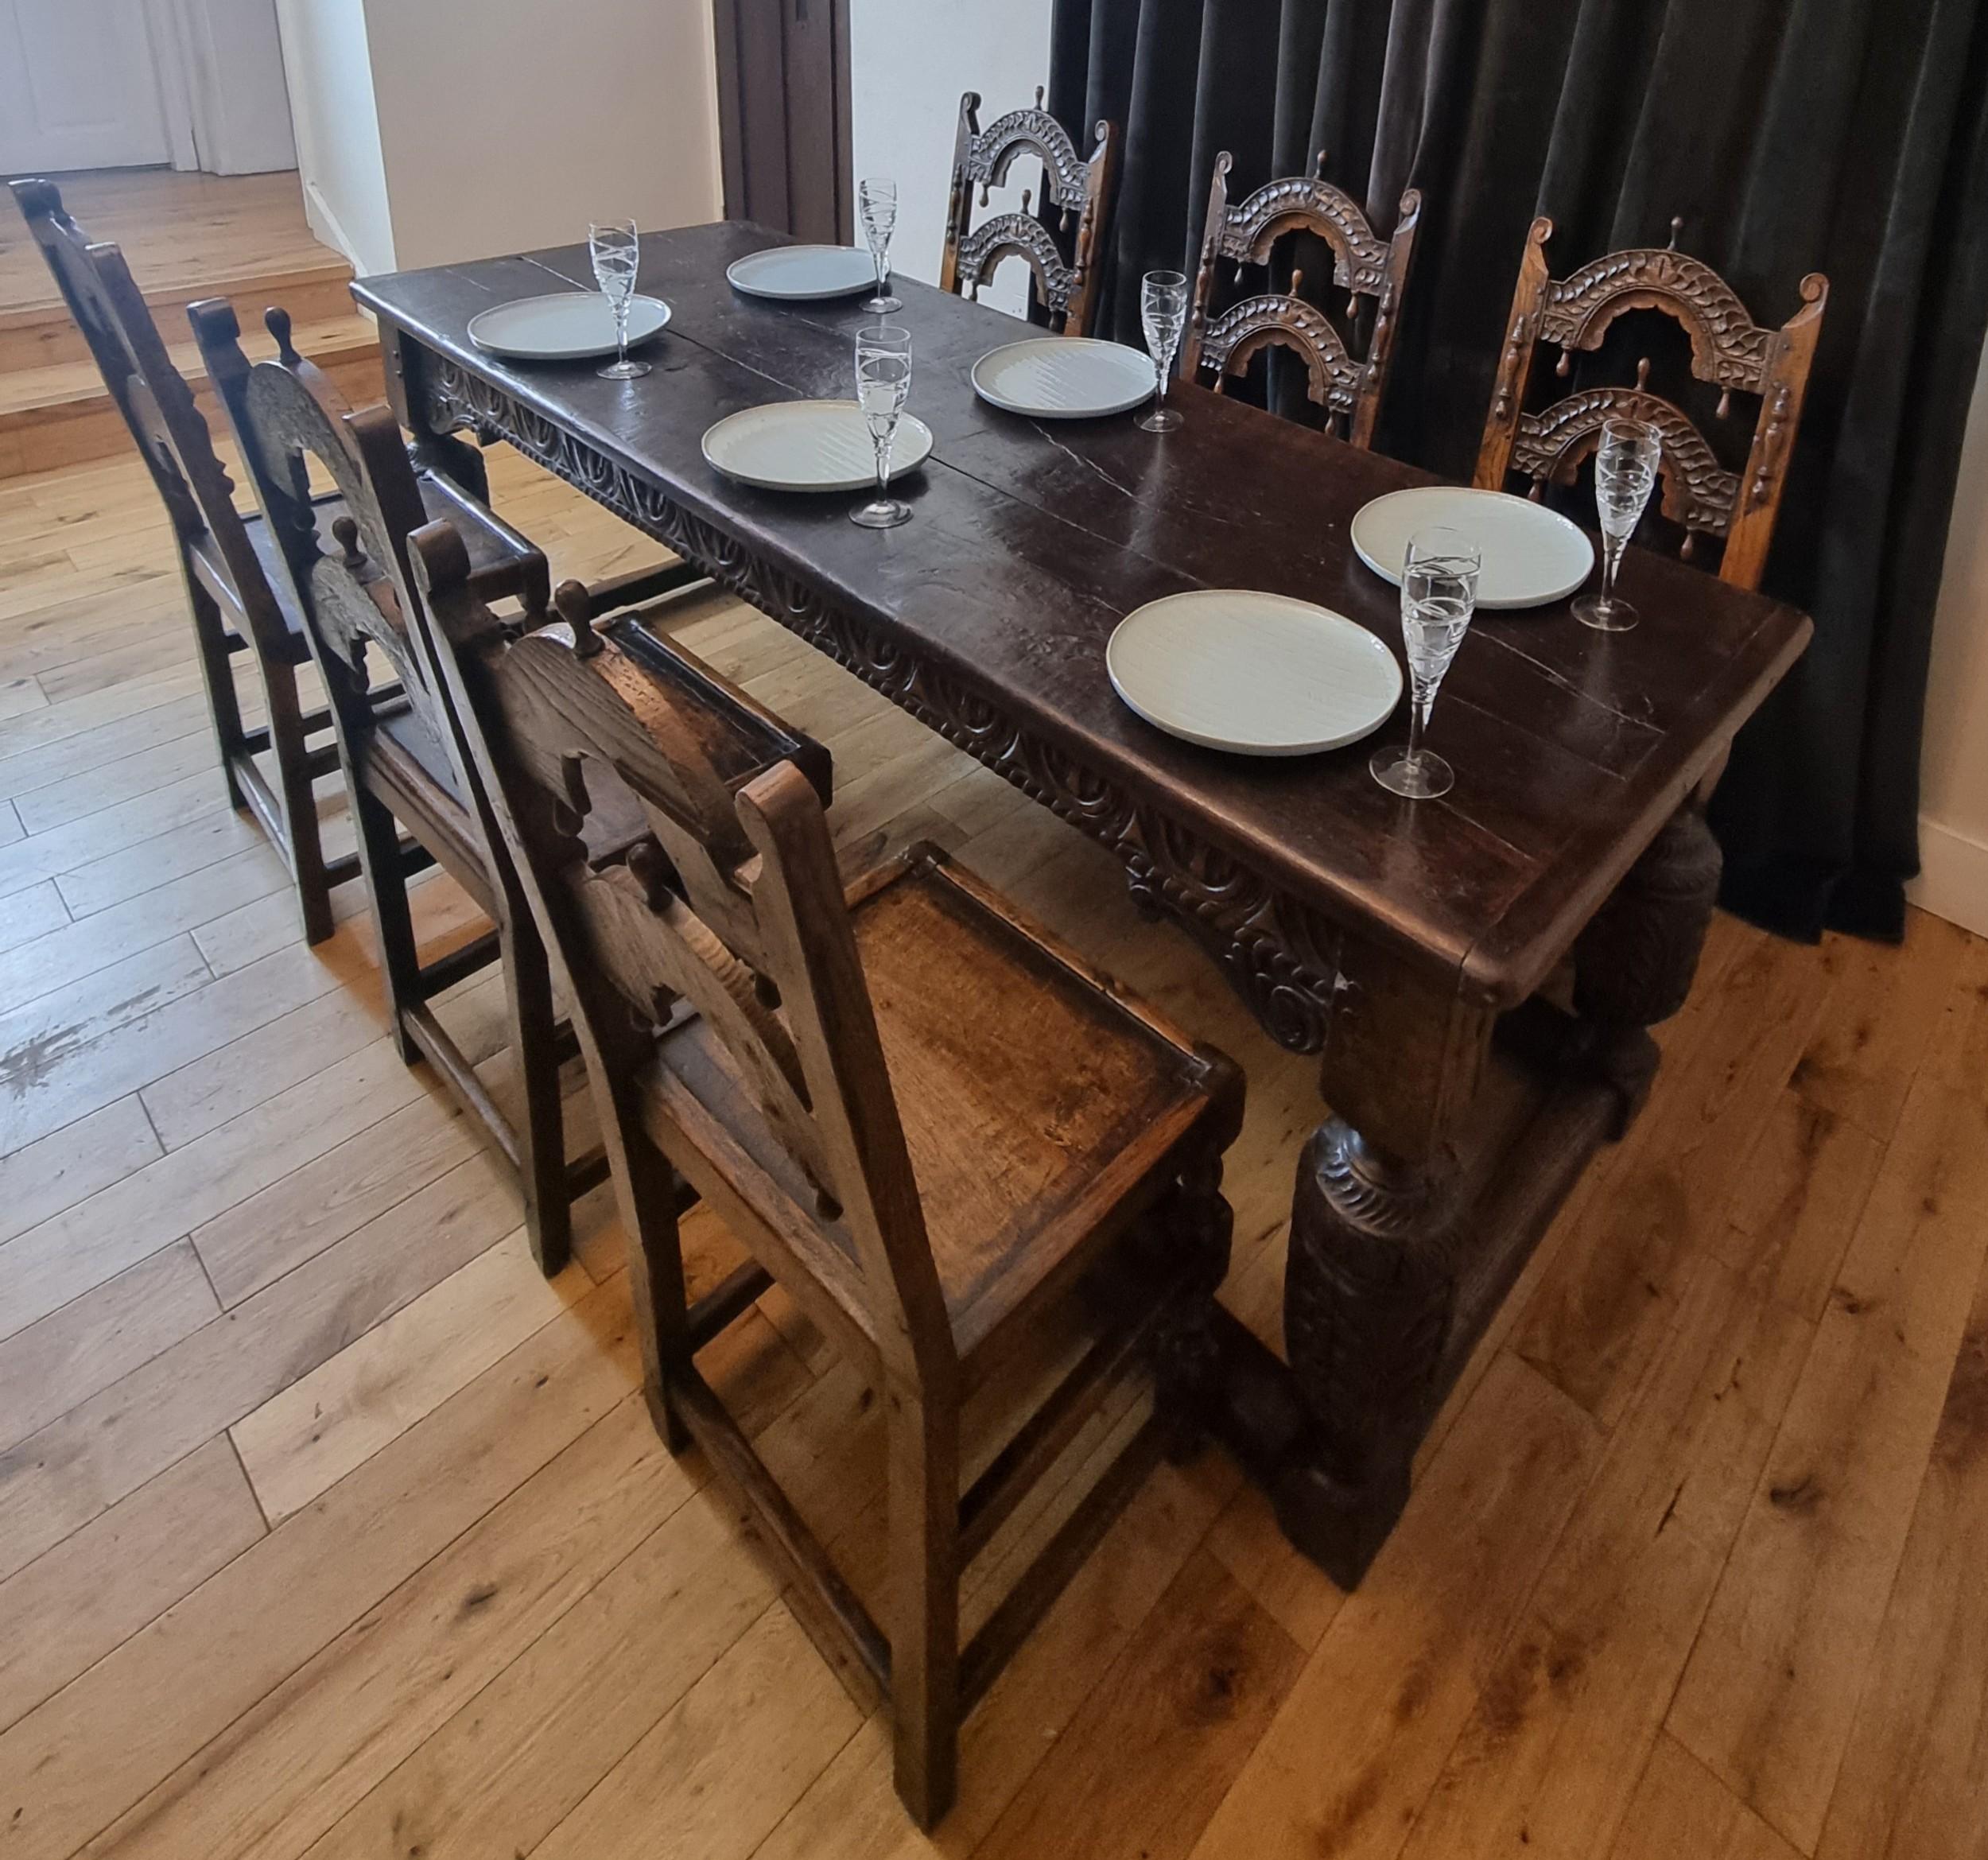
[810, 446]
[1065, 377]
[802, 274]
[569, 326]
[1259, 674]
[1531, 555]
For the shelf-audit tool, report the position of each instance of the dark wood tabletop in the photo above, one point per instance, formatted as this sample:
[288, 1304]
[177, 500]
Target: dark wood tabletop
[1032, 539]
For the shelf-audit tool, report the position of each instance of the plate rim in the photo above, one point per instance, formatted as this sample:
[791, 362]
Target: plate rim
[1393, 578]
[1009, 406]
[511, 352]
[863, 484]
[793, 296]
[1318, 746]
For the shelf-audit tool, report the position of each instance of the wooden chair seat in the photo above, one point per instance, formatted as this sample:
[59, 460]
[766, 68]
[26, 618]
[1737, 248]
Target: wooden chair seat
[1013, 1076]
[502, 562]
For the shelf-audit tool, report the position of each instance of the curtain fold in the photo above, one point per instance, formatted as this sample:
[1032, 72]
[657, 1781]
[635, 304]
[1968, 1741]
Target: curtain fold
[1849, 136]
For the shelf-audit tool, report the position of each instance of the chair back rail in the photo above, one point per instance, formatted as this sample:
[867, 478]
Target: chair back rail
[1066, 286]
[1365, 267]
[1729, 350]
[747, 923]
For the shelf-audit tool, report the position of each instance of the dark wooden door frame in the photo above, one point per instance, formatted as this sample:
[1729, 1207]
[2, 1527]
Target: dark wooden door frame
[783, 114]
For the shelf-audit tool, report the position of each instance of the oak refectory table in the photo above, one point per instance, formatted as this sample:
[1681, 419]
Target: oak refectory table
[1413, 947]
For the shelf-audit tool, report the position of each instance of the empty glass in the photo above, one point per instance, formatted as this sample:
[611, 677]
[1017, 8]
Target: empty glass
[615, 247]
[1625, 474]
[1162, 307]
[883, 381]
[876, 199]
[1438, 596]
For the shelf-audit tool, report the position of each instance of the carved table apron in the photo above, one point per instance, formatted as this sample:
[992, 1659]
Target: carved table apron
[1416, 1207]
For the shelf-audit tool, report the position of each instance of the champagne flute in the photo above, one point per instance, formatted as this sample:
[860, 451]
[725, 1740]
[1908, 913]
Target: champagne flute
[883, 382]
[876, 198]
[1438, 596]
[615, 248]
[1625, 465]
[1162, 307]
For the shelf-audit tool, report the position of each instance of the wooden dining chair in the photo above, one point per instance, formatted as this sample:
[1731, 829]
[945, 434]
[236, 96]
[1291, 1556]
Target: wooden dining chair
[1729, 351]
[931, 1125]
[1065, 274]
[237, 599]
[1345, 356]
[400, 763]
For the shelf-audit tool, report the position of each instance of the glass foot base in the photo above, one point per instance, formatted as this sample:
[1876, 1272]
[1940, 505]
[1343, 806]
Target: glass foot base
[622, 371]
[1420, 776]
[1605, 615]
[882, 304]
[1159, 420]
[882, 513]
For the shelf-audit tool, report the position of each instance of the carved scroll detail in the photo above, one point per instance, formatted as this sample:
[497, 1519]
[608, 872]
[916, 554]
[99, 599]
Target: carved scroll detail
[1279, 956]
[1728, 347]
[1033, 132]
[1020, 233]
[1697, 492]
[1243, 329]
[1303, 203]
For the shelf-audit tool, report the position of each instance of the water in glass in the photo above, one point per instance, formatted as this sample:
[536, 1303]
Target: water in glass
[876, 201]
[1162, 307]
[1438, 596]
[615, 248]
[883, 382]
[1625, 465]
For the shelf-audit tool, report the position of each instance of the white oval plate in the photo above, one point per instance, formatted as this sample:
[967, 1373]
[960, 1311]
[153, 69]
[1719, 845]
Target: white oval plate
[1065, 377]
[1531, 555]
[802, 274]
[810, 446]
[568, 326]
[1261, 675]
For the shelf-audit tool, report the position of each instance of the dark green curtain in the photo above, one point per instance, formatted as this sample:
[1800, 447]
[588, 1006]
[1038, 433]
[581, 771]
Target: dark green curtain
[1849, 136]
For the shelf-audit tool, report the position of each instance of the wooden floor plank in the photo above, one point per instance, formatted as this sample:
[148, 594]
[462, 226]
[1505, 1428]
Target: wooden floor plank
[1681, 1813]
[51, 1176]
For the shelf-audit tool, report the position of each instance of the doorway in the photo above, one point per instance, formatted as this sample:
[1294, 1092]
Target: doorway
[783, 115]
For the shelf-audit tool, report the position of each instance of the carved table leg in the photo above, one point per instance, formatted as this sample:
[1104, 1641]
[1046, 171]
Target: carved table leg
[1369, 1292]
[1633, 965]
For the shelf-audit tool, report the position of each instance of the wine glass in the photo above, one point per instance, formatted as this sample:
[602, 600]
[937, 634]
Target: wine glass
[883, 381]
[615, 248]
[1162, 307]
[1438, 596]
[877, 200]
[1625, 474]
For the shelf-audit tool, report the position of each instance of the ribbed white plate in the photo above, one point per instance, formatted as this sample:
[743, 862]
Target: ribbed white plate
[568, 326]
[1065, 377]
[1531, 555]
[1261, 675]
[810, 446]
[803, 273]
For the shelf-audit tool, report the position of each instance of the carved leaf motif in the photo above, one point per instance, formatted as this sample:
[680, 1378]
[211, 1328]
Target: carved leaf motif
[1334, 378]
[1697, 492]
[1360, 258]
[989, 243]
[1728, 347]
[1036, 132]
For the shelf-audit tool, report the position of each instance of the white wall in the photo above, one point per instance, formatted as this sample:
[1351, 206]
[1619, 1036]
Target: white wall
[1953, 822]
[328, 66]
[230, 57]
[909, 61]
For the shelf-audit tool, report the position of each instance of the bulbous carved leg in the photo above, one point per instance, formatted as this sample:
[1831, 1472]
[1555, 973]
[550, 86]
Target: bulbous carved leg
[1633, 965]
[1368, 1293]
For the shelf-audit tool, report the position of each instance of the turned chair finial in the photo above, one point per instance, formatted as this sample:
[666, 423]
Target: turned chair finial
[1318, 166]
[277, 321]
[1677, 226]
[345, 533]
[1038, 96]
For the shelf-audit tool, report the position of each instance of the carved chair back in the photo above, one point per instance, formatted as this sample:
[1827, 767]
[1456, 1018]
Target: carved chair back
[171, 433]
[1065, 276]
[1372, 271]
[1729, 350]
[355, 595]
[742, 916]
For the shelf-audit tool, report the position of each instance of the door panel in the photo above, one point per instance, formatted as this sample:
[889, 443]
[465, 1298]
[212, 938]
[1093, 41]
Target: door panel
[79, 87]
[784, 107]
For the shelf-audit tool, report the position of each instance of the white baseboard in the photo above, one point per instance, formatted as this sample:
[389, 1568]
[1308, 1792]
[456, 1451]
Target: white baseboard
[1953, 876]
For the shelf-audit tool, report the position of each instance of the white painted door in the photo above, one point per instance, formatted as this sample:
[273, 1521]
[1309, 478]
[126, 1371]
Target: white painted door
[79, 87]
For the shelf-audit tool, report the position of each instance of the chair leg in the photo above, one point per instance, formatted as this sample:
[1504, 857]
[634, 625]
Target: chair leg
[298, 801]
[224, 707]
[400, 963]
[925, 1624]
[645, 1188]
[541, 1137]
